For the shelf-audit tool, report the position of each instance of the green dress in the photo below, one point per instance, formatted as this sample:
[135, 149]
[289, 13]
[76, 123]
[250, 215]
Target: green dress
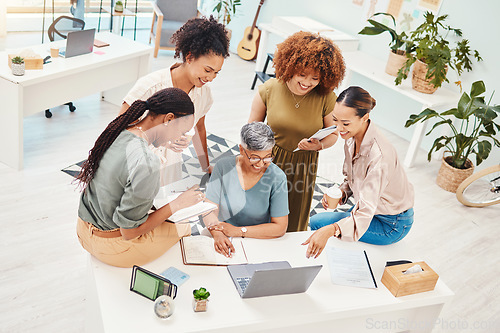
[290, 125]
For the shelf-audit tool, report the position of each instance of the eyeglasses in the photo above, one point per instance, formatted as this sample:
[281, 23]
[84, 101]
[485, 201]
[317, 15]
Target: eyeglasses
[254, 159]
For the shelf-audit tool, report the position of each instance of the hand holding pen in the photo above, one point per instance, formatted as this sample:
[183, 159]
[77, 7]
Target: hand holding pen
[190, 197]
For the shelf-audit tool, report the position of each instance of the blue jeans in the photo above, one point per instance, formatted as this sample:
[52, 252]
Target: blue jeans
[383, 229]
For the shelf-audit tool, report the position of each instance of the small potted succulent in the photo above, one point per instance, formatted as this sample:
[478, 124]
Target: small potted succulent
[18, 66]
[200, 299]
[119, 7]
[398, 45]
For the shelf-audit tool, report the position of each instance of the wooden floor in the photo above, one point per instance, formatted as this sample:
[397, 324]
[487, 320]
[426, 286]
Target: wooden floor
[42, 271]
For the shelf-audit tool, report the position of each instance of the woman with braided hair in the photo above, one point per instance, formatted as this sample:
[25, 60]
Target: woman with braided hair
[121, 177]
[203, 45]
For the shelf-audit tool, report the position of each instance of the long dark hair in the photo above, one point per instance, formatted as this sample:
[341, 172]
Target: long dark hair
[357, 98]
[169, 100]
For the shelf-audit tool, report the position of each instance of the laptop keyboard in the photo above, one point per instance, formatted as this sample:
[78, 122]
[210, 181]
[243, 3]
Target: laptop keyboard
[243, 282]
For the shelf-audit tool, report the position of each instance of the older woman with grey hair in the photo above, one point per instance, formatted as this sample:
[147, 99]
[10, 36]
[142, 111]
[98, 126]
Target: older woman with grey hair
[250, 191]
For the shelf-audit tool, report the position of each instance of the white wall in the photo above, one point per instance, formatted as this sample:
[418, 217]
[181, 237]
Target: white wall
[477, 22]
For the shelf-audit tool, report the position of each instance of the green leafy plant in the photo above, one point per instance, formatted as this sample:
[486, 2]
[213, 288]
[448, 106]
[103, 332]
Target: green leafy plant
[201, 294]
[430, 45]
[119, 3]
[18, 60]
[471, 132]
[397, 40]
[226, 10]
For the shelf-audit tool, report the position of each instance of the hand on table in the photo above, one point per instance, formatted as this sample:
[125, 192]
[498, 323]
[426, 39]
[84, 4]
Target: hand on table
[317, 241]
[222, 244]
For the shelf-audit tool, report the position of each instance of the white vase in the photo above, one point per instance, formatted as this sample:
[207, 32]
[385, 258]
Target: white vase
[18, 69]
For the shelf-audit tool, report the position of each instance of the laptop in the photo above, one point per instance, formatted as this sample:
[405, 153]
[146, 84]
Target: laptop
[272, 278]
[78, 43]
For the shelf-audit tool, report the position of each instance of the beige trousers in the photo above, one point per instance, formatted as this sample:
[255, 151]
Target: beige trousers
[126, 253]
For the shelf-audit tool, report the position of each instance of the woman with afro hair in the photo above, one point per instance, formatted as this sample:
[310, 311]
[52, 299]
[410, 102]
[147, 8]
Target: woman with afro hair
[203, 44]
[297, 103]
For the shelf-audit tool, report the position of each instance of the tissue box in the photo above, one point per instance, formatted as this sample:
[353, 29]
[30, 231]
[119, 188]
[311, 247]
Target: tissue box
[29, 63]
[400, 284]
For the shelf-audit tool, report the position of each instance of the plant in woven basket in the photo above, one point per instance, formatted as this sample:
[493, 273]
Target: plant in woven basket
[432, 47]
[18, 60]
[473, 128]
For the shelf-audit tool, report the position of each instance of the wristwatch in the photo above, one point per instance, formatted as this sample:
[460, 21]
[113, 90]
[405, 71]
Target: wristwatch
[243, 232]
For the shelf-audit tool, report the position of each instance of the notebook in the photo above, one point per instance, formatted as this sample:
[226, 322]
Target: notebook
[200, 250]
[272, 278]
[78, 43]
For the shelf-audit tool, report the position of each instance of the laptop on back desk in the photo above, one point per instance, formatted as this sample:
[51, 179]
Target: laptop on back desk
[78, 43]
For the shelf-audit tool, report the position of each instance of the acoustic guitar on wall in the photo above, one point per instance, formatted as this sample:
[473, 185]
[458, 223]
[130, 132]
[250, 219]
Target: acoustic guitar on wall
[249, 45]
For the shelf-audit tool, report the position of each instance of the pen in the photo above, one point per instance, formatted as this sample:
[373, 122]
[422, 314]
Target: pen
[201, 189]
[231, 240]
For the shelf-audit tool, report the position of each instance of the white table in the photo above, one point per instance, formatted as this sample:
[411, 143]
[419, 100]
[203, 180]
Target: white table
[284, 26]
[113, 73]
[113, 308]
[374, 69]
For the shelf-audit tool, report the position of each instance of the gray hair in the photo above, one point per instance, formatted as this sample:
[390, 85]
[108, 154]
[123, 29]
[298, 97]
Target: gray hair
[257, 136]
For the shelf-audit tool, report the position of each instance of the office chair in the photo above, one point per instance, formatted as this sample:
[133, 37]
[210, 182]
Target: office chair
[59, 30]
[168, 16]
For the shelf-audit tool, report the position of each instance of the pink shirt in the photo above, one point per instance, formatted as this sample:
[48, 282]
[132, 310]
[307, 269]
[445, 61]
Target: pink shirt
[377, 181]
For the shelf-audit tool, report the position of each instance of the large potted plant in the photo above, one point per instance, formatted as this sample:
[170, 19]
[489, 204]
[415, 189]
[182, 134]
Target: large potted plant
[472, 130]
[398, 44]
[226, 10]
[433, 54]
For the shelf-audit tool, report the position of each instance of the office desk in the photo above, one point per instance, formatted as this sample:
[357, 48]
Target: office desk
[325, 307]
[284, 26]
[111, 73]
[374, 69]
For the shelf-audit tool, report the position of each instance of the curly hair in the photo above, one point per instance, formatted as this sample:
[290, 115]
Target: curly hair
[305, 50]
[169, 100]
[201, 36]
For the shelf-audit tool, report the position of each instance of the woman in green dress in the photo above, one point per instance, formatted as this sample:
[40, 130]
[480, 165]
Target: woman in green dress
[297, 104]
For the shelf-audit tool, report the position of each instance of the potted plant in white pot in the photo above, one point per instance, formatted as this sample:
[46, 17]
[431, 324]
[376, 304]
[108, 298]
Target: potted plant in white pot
[119, 7]
[18, 67]
[433, 54]
[398, 44]
[200, 299]
[472, 131]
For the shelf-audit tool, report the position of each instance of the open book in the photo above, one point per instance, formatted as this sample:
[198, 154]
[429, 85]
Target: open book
[199, 250]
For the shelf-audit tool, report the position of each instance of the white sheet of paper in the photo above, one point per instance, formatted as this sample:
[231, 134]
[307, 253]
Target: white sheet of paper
[349, 268]
[322, 133]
